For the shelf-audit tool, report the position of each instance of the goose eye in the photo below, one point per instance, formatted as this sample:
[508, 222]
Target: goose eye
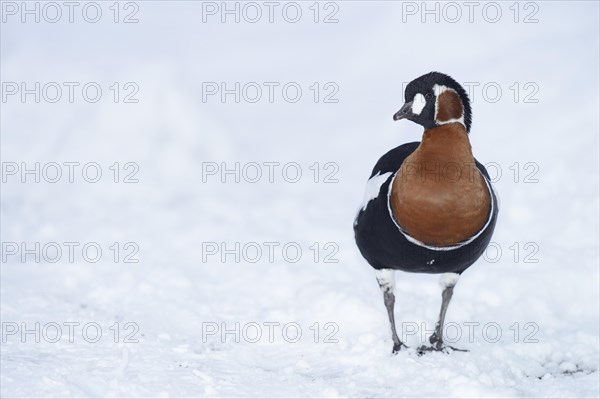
[428, 96]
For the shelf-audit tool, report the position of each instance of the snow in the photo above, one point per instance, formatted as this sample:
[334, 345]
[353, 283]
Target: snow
[528, 312]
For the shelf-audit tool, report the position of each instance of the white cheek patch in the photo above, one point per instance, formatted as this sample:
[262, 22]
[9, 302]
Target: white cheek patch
[418, 104]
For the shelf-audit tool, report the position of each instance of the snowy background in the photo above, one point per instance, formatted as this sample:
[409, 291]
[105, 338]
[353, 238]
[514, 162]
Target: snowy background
[538, 287]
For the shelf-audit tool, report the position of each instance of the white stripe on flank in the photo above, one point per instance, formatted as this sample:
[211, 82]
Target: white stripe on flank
[449, 248]
[373, 186]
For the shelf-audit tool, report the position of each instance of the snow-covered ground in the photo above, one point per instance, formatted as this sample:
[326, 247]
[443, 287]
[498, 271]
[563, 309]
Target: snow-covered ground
[283, 323]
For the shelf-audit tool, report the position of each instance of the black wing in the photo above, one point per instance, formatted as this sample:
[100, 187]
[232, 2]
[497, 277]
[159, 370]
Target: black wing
[392, 160]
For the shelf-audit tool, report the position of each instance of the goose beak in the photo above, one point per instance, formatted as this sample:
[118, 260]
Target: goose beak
[405, 112]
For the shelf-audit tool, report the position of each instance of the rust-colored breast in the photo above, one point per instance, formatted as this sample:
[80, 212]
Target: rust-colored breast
[438, 195]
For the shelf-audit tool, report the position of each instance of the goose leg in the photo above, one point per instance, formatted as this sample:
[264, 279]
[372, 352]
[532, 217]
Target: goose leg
[447, 281]
[387, 283]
